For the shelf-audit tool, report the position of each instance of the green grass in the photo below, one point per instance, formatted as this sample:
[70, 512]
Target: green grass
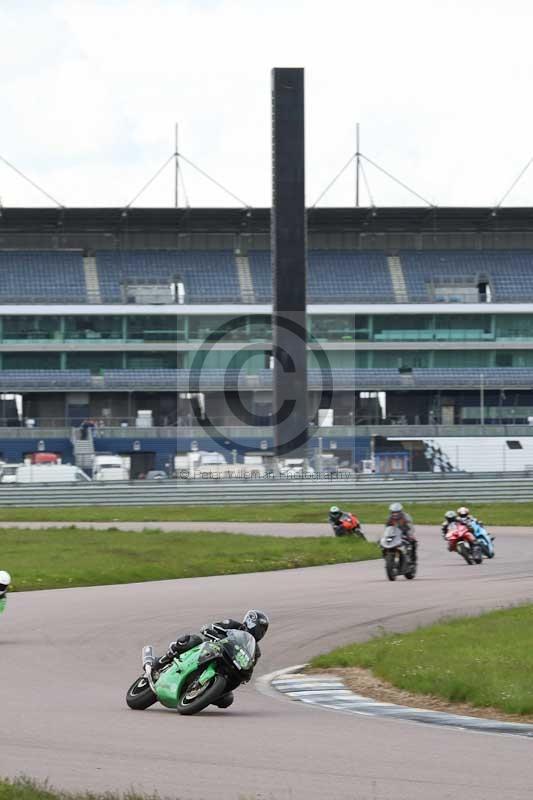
[57, 558]
[423, 513]
[27, 789]
[486, 661]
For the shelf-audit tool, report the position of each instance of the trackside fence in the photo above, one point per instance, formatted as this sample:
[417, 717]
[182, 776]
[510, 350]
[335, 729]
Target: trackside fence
[422, 487]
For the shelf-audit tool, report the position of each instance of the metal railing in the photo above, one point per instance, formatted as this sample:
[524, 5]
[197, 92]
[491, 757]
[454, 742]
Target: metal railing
[422, 488]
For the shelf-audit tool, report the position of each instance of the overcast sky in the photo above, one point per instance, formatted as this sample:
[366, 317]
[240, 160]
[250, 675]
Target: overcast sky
[90, 92]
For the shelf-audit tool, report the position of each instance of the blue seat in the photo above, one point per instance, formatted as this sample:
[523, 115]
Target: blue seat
[508, 272]
[208, 276]
[333, 276]
[42, 276]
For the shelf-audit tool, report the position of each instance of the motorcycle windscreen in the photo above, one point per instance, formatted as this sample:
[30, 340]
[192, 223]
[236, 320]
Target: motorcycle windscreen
[392, 537]
[242, 647]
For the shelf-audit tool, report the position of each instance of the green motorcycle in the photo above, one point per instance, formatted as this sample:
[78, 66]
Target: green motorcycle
[202, 676]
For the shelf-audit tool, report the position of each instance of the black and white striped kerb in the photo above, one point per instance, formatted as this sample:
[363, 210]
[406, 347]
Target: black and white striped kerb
[330, 692]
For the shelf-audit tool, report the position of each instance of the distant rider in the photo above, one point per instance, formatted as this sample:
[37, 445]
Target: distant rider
[398, 518]
[450, 518]
[336, 517]
[464, 516]
[254, 622]
[476, 527]
[5, 581]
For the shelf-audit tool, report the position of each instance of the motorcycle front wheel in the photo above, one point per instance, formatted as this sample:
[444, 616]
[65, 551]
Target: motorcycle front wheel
[139, 696]
[195, 696]
[390, 566]
[466, 554]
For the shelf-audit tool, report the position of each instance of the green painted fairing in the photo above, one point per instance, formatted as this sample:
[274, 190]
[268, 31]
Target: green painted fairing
[169, 685]
[2, 604]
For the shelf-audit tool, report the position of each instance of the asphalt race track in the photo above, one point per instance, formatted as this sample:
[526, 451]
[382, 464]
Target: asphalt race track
[68, 656]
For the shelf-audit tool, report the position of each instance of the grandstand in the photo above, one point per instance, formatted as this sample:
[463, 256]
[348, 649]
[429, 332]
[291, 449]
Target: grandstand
[425, 316]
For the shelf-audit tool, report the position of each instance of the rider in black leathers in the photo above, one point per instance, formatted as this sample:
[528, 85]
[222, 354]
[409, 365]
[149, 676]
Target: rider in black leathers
[254, 622]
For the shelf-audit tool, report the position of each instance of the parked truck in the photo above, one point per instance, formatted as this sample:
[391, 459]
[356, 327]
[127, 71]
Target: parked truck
[109, 467]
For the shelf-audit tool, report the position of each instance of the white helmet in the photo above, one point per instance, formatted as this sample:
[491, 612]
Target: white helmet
[395, 508]
[5, 580]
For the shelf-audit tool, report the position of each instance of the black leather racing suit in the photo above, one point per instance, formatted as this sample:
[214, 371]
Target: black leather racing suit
[215, 630]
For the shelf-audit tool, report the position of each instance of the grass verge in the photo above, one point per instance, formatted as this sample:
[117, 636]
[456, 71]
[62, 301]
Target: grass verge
[27, 789]
[57, 558]
[423, 513]
[485, 661]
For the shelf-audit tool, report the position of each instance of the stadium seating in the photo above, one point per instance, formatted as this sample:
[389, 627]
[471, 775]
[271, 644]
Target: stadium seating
[509, 272]
[334, 275]
[45, 379]
[372, 378]
[474, 376]
[42, 276]
[211, 276]
[207, 276]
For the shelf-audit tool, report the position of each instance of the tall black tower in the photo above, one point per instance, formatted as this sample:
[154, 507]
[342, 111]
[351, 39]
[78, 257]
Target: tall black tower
[289, 263]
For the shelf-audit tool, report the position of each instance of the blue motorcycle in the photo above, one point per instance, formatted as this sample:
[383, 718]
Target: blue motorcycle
[485, 540]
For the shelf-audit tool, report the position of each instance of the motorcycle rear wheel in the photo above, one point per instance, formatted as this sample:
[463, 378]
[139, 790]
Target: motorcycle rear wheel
[193, 700]
[139, 696]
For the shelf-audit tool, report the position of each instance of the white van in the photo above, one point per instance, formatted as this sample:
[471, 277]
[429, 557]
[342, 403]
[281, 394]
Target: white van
[41, 473]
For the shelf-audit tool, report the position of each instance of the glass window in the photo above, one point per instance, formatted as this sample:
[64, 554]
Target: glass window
[93, 328]
[260, 328]
[462, 358]
[339, 327]
[514, 326]
[201, 327]
[34, 328]
[399, 359]
[31, 361]
[514, 358]
[148, 328]
[151, 360]
[403, 328]
[463, 327]
[95, 362]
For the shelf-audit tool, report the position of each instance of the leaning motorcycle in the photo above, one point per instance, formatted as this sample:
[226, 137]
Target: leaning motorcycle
[398, 554]
[202, 676]
[461, 540]
[349, 525]
[484, 539]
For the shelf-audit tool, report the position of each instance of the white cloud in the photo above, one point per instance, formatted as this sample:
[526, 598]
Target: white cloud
[90, 93]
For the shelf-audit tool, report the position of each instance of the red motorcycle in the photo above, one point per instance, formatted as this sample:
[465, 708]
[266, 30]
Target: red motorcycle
[349, 525]
[461, 540]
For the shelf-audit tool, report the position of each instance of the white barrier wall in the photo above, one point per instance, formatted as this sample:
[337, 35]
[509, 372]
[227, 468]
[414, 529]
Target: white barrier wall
[480, 454]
